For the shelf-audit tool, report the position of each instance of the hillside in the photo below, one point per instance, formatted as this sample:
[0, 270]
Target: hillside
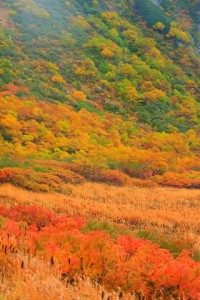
[99, 149]
[102, 84]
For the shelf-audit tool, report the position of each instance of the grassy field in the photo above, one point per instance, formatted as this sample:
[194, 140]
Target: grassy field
[166, 216]
[169, 211]
[37, 280]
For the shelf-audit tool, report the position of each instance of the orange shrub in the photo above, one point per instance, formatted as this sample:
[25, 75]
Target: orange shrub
[52, 179]
[188, 180]
[6, 175]
[121, 263]
[67, 176]
[36, 181]
[113, 177]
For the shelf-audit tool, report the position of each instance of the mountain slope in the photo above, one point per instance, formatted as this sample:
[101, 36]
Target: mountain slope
[107, 84]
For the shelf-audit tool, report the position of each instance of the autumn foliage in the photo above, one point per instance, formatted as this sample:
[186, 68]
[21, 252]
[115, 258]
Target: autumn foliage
[130, 263]
[100, 91]
[99, 108]
[6, 175]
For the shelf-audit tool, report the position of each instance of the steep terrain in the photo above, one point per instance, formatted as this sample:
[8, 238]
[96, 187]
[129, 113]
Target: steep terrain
[102, 84]
[99, 108]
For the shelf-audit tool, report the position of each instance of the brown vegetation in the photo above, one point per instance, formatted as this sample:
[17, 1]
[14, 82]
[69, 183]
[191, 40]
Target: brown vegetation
[24, 278]
[170, 211]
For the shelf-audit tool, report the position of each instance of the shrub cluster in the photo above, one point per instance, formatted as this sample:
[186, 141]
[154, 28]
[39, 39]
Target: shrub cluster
[132, 264]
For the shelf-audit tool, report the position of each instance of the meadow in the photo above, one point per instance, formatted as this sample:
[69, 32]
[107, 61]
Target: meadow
[97, 241]
[170, 211]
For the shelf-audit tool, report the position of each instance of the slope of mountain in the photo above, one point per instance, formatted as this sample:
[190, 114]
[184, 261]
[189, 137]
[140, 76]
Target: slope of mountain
[104, 91]
[104, 84]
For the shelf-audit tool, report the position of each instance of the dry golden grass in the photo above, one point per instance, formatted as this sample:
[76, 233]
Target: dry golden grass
[168, 210]
[37, 280]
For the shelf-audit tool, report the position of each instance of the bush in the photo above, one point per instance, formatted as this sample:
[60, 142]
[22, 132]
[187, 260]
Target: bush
[6, 175]
[68, 176]
[36, 181]
[44, 180]
[175, 246]
[101, 175]
[112, 229]
[113, 177]
[11, 163]
[188, 180]
[29, 214]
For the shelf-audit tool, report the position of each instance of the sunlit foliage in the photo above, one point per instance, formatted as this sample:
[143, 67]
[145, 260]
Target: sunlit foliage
[131, 264]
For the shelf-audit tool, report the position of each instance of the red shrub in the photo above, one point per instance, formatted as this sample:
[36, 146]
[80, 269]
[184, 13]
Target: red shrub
[6, 175]
[187, 180]
[113, 177]
[32, 215]
[129, 263]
